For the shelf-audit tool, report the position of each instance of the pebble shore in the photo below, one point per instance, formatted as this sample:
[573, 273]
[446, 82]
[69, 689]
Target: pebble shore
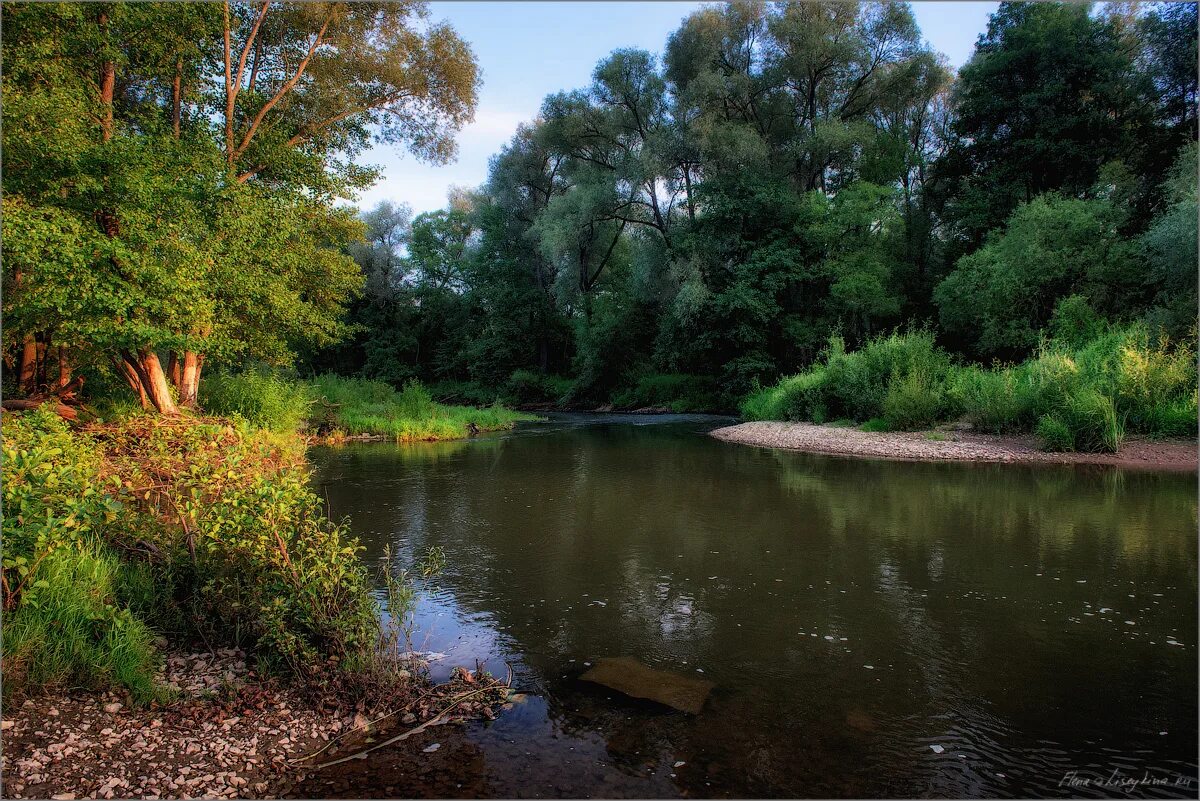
[956, 446]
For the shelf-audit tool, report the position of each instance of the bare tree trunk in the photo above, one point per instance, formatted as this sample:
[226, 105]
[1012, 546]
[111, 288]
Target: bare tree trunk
[29, 365]
[108, 80]
[189, 385]
[132, 378]
[157, 387]
[64, 368]
[43, 346]
[152, 380]
[173, 374]
[177, 96]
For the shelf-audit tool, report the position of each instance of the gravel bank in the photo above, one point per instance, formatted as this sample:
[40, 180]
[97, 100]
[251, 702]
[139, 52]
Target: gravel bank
[958, 446]
[229, 734]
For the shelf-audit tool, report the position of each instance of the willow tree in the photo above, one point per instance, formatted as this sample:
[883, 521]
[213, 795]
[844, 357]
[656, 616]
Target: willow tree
[223, 239]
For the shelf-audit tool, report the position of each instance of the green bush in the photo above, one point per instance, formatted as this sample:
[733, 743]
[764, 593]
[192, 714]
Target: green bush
[70, 630]
[994, 400]
[857, 381]
[261, 398]
[220, 536]
[1085, 391]
[912, 401]
[414, 401]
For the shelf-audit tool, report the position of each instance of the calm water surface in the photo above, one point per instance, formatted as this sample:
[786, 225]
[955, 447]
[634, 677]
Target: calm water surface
[872, 628]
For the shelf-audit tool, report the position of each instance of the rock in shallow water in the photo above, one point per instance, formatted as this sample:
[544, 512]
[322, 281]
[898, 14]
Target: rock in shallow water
[625, 674]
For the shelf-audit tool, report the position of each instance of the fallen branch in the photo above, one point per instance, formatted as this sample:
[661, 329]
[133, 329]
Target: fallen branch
[63, 411]
[434, 721]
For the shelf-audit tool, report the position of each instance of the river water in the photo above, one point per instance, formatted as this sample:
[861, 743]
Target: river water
[873, 628]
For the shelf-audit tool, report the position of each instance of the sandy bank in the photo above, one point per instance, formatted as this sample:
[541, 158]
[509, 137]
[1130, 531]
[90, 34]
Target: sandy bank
[958, 446]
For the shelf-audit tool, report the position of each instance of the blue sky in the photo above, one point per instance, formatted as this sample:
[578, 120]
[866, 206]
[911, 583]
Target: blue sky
[530, 49]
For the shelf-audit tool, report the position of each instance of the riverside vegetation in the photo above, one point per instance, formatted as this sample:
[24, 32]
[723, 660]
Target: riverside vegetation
[681, 232]
[1083, 391]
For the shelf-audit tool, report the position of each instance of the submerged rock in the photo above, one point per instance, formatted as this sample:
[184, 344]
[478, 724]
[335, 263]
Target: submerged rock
[626, 675]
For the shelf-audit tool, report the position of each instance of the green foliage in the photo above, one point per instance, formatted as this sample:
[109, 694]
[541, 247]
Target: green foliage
[1001, 296]
[912, 401]
[1054, 434]
[235, 544]
[677, 391]
[527, 386]
[357, 406]
[261, 398]
[1076, 394]
[71, 630]
[857, 383]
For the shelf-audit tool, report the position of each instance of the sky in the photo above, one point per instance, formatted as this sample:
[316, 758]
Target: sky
[527, 50]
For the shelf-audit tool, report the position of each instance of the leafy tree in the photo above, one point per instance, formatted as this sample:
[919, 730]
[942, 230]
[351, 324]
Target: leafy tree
[1001, 297]
[218, 208]
[1049, 96]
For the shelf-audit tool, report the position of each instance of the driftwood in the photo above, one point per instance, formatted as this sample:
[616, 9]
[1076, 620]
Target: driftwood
[62, 410]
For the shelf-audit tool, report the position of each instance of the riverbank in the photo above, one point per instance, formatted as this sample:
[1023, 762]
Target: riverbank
[952, 446]
[228, 733]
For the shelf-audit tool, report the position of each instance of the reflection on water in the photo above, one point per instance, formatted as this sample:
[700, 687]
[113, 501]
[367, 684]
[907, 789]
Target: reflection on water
[873, 628]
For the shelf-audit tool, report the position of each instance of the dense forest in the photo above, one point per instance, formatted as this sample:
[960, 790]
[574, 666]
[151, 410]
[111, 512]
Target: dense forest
[685, 229]
[693, 226]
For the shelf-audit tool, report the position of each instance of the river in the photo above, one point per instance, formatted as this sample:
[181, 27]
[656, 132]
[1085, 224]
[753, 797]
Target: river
[872, 628]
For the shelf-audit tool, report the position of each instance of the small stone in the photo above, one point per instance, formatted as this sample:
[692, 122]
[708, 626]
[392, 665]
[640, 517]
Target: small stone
[6, 725]
[113, 708]
[429, 749]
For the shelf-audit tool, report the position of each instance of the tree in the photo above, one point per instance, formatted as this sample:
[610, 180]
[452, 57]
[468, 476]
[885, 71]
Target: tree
[224, 239]
[1002, 296]
[1049, 96]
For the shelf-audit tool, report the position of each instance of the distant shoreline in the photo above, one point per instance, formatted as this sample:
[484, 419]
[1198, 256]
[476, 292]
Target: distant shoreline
[958, 446]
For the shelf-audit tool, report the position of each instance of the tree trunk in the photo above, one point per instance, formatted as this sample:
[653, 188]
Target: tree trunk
[151, 379]
[132, 378]
[157, 387]
[64, 369]
[29, 365]
[173, 374]
[189, 383]
[108, 80]
[43, 346]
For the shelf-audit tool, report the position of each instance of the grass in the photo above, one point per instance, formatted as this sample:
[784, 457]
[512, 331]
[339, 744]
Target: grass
[1075, 394]
[70, 630]
[357, 406]
[263, 399]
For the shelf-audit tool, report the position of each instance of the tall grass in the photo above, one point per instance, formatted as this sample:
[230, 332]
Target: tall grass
[357, 406]
[71, 630]
[263, 399]
[1075, 395]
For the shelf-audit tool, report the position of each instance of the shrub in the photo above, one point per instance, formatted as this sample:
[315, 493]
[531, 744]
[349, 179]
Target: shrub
[857, 381]
[414, 401]
[912, 401]
[71, 630]
[874, 425]
[262, 399]
[232, 545]
[991, 400]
